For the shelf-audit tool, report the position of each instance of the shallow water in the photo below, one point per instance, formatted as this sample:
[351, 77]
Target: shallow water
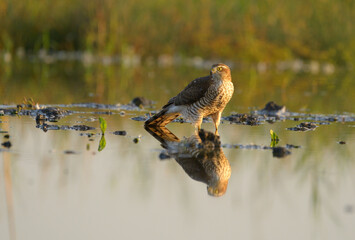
[57, 185]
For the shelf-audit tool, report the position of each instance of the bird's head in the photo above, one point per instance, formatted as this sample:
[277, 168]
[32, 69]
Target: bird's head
[217, 190]
[221, 71]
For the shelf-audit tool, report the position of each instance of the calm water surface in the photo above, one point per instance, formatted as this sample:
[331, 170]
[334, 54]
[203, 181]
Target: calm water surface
[57, 185]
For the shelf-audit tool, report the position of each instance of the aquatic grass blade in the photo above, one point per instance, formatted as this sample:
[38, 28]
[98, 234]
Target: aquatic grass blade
[274, 138]
[103, 125]
[102, 143]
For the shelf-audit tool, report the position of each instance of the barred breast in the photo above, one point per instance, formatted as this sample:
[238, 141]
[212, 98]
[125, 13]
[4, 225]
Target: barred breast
[215, 100]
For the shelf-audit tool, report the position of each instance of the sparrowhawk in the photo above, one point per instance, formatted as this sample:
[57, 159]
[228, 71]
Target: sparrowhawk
[203, 97]
[200, 155]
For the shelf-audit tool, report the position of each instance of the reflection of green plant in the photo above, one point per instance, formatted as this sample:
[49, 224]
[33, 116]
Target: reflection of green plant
[103, 126]
[102, 143]
[274, 138]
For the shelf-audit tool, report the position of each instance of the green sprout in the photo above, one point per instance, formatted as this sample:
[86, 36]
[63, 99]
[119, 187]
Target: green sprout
[102, 143]
[274, 138]
[103, 125]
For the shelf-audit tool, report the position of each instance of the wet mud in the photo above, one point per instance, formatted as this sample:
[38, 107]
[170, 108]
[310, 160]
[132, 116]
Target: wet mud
[45, 117]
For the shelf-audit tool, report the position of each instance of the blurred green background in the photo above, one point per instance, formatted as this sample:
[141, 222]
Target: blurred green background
[245, 30]
[298, 53]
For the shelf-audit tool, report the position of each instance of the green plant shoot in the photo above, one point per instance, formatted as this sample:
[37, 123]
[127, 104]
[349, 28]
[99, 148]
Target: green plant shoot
[274, 138]
[103, 125]
[102, 143]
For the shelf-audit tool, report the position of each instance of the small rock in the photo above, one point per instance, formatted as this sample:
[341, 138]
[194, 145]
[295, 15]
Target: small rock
[139, 118]
[289, 146]
[342, 142]
[305, 126]
[122, 133]
[7, 144]
[163, 156]
[141, 102]
[280, 152]
[136, 139]
[51, 114]
[245, 119]
[82, 128]
[272, 109]
[69, 152]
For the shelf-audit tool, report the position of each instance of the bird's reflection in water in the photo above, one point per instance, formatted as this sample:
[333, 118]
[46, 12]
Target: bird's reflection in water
[200, 156]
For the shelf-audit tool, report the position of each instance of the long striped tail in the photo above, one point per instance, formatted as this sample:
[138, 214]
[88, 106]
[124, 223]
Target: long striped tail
[161, 118]
[162, 134]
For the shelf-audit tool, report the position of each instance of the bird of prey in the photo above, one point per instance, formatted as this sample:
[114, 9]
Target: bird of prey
[203, 97]
[200, 155]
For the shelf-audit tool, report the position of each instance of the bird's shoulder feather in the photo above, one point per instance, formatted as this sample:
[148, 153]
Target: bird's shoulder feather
[192, 92]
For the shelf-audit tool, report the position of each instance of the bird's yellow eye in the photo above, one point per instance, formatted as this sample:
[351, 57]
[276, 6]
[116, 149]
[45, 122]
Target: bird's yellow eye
[219, 69]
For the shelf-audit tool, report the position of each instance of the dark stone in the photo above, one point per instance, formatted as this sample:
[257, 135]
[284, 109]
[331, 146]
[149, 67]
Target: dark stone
[82, 128]
[139, 118]
[243, 118]
[271, 106]
[305, 126]
[69, 152]
[7, 144]
[163, 156]
[141, 102]
[289, 146]
[280, 152]
[122, 133]
[272, 109]
[50, 114]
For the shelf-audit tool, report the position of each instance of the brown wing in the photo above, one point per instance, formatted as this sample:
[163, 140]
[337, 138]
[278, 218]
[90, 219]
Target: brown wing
[192, 92]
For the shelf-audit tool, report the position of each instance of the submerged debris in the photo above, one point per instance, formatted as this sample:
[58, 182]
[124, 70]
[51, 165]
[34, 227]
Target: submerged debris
[289, 146]
[142, 102]
[52, 114]
[103, 113]
[121, 133]
[164, 155]
[272, 109]
[70, 152]
[45, 127]
[6, 144]
[280, 152]
[81, 128]
[305, 126]
[139, 118]
[137, 139]
[243, 118]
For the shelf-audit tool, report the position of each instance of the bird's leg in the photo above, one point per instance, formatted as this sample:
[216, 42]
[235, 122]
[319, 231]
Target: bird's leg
[216, 117]
[198, 124]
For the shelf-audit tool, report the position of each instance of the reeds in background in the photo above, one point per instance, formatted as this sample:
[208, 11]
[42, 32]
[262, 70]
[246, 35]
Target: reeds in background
[268, 30]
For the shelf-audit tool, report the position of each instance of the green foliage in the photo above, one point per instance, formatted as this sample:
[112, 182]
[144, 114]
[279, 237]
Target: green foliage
[249, 30]
[103, 125]
[274, 138]
[102, 143]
